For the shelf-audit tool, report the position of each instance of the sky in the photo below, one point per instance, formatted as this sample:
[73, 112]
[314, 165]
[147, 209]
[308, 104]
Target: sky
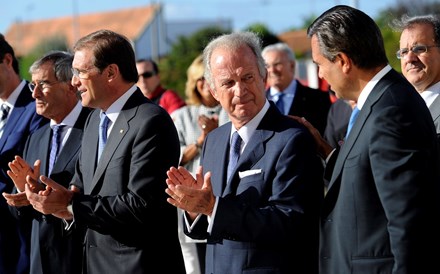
[278, 15]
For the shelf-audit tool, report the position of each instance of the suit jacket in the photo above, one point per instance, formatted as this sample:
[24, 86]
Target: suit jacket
[337, 122]
[130, 226]
[434, 108]
[14, 237]
[378, 214]
[54, 249]
[265, 222]
[313, 104]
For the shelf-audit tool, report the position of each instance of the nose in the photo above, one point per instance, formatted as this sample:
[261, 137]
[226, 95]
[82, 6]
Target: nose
[75, 81]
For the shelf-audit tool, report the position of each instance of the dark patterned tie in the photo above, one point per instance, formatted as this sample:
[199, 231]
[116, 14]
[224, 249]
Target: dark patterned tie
[55, 147]
[102, 133]
[234, 153]
[4, 110]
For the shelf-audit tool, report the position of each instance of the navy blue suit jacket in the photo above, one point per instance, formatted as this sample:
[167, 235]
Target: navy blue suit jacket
[14, 238]
[267, 221]
[313, 104]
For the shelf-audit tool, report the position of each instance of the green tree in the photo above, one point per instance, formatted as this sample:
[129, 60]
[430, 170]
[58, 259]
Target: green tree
[52, 43]
[173, 67]
[265, 34]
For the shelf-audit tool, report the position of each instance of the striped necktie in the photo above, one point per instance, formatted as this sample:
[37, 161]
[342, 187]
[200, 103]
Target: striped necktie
[55, 147]
[4, 110]
[234, 153]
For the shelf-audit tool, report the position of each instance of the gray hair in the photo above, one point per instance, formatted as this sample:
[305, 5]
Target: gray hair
[62, 64]
[283, 47]
[407, 22]
[232, 42]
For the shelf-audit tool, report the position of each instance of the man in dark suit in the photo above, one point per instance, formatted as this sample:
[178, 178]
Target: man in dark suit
[263, 215]
[295, 98]
[53, 249]
[130, 226]
[379, 214]
[21, 121]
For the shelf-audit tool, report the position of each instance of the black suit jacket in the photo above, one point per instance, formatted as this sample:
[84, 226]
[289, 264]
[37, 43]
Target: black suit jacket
[313, 104]
[54, 249]
[379, 214]
[130, 226]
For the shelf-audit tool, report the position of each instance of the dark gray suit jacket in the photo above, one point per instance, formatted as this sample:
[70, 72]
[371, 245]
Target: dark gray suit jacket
[130, 226]
[379, 212]
[265, 222]
[54, 249]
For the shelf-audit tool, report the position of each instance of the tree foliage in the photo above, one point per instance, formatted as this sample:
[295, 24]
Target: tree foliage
[52, 43]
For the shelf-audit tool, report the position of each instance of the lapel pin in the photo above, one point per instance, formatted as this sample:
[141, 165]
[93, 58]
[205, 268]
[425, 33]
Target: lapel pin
[121, 131]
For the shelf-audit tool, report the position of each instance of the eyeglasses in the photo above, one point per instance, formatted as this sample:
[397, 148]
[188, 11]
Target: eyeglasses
[42, 85]
[81, 73]
[147, 74]
[417, 50]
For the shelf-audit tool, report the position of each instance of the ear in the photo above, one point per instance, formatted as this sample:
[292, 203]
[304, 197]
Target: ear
[345, 62]
[7, 59]
[112, 71]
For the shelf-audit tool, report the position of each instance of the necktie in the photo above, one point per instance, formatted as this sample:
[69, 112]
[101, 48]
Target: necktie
[280, 103]
[54, 149]
[234, 152]
[354, 115]
[4, 110]
[102, 133]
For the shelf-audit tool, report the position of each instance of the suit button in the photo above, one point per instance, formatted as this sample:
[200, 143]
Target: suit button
[329, 220]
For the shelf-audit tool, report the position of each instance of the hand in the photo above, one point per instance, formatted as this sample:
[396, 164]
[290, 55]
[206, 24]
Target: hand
[16, 200]
[323, 148]
[53, 200]
[19, 169]
[207, 124]
[194, 196]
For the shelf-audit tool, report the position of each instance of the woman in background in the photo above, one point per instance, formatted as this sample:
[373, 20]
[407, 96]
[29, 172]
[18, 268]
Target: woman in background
[201, 115]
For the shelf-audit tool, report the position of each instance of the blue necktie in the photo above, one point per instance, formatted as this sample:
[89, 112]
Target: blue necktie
[103, 125]
[280, 103]
[55, 147]
[234, 153]
[353, 117]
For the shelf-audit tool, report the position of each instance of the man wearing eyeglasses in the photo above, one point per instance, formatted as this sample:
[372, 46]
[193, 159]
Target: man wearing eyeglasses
[128, 145]
[20, 121]
[52, 150]
[419, 56]
[149, 83]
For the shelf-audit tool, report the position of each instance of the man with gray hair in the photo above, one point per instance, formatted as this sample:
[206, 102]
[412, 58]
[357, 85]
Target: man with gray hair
[53, 150]
[257, 194]
[289, 94]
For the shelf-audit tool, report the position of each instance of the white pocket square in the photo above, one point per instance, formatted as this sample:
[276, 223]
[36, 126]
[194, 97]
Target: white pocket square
[246, 173]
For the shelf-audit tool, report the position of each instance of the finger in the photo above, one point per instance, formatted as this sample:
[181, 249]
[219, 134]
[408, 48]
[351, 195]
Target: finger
[51, 183]
[37, 165]
[74, 188]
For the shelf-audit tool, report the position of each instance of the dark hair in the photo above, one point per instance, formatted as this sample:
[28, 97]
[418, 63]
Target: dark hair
[154, 64]
[407, 22]
[110, 48]
[5, 48]
[351, 31]
[62, 64]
